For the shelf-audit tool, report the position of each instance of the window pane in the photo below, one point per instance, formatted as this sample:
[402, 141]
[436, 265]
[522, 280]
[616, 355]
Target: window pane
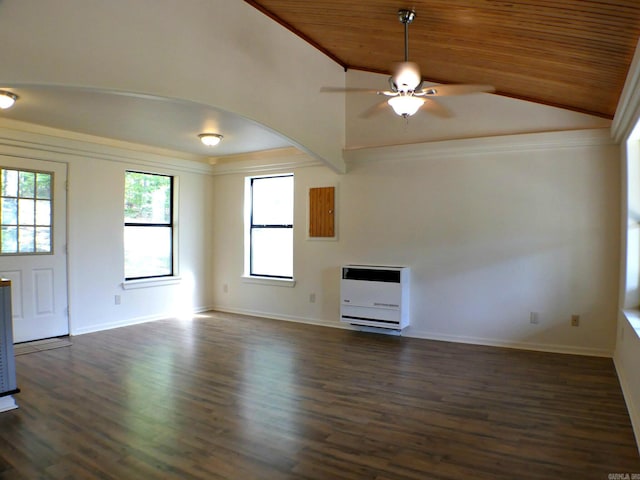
[43, 239]
[43, 185]
[43, 212]
[9, 183]
[9, 211]
[147, 251]
[26, 239]
[26, 212]
[273, 201]
[9, 239]
[27, 182]
[272, 252]
[147, 198]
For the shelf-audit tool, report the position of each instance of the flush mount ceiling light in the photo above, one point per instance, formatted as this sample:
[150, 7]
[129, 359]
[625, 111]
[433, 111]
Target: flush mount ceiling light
[7, 99]
[210, 139]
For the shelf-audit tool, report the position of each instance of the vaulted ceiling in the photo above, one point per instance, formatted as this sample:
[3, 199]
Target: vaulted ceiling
[573, 54]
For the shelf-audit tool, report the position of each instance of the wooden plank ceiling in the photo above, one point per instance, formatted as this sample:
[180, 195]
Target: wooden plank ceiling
[573, 54]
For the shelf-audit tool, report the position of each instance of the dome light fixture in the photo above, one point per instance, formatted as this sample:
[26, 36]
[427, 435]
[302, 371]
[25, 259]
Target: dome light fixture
[7, 99]
[405, 105]
[210, 139]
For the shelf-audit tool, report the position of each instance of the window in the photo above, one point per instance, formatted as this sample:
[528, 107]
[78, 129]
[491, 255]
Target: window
[148, 225]
[26, 212]
[271, 226]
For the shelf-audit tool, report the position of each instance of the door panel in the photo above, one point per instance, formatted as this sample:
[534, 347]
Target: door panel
[44, 291]
[39, 281]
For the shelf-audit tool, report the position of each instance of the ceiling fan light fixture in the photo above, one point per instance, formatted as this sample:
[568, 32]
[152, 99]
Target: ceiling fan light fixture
[407, 77]
[407, 90]
[7, 99]
[405, 105]
[210, 139]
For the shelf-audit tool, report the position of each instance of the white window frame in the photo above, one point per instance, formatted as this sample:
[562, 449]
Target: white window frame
[174, 276]
[247, 277]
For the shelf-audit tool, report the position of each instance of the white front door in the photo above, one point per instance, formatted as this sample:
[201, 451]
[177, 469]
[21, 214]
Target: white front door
[33, 238]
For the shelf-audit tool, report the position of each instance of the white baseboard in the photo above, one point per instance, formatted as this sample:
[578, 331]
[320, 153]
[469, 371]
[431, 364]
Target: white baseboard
[634, 415]
[99, 327]
[412, 333]
[492, 342]
[7, 403]
[541, 347]
[286, 318]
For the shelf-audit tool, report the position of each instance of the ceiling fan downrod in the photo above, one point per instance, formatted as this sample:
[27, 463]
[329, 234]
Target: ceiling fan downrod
[406, 17]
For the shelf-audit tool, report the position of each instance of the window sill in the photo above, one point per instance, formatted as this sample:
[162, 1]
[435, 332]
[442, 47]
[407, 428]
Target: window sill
[150, 282]
[277, 282]
[633, 317]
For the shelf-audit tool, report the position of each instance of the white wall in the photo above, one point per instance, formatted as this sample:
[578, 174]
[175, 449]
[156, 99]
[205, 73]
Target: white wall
[627, 356]
[474, 116]
[627, 352]
[626, 130]
[95, 228]
[219, 53]
[492, 229]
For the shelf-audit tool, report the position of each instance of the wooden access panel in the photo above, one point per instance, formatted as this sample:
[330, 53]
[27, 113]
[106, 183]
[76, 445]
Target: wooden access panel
[322, 212]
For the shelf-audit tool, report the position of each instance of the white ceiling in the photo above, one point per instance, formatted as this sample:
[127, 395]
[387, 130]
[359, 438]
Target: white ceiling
[143, 119]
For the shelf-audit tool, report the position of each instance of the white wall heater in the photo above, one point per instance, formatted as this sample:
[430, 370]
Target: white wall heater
[7, 360]
[375, 296]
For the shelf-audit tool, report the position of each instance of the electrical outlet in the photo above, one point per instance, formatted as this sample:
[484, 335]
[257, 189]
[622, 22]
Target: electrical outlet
[225, 288]
[117, 299]
[534, 318]
[575, 320]
[312, 298]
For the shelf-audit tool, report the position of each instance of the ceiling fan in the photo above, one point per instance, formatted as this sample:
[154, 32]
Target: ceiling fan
[407, 94]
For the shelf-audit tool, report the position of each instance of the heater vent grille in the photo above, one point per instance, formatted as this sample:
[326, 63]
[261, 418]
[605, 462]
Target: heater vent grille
[375, 296]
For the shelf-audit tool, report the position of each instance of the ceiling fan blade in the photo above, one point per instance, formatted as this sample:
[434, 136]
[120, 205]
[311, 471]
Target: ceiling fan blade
[436, 108]
[406, 76]
[347, 89]
[375, 109]
[447, 90]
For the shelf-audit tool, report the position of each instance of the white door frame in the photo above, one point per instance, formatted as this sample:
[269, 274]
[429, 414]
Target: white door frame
[40, 283]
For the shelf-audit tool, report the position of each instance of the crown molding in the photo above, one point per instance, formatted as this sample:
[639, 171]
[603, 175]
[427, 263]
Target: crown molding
[628, 108]
[35, 141]
[255, 156]
[485, 145]
[263, 161]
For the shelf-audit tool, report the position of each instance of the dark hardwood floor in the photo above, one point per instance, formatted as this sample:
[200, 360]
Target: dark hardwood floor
[232, 397]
